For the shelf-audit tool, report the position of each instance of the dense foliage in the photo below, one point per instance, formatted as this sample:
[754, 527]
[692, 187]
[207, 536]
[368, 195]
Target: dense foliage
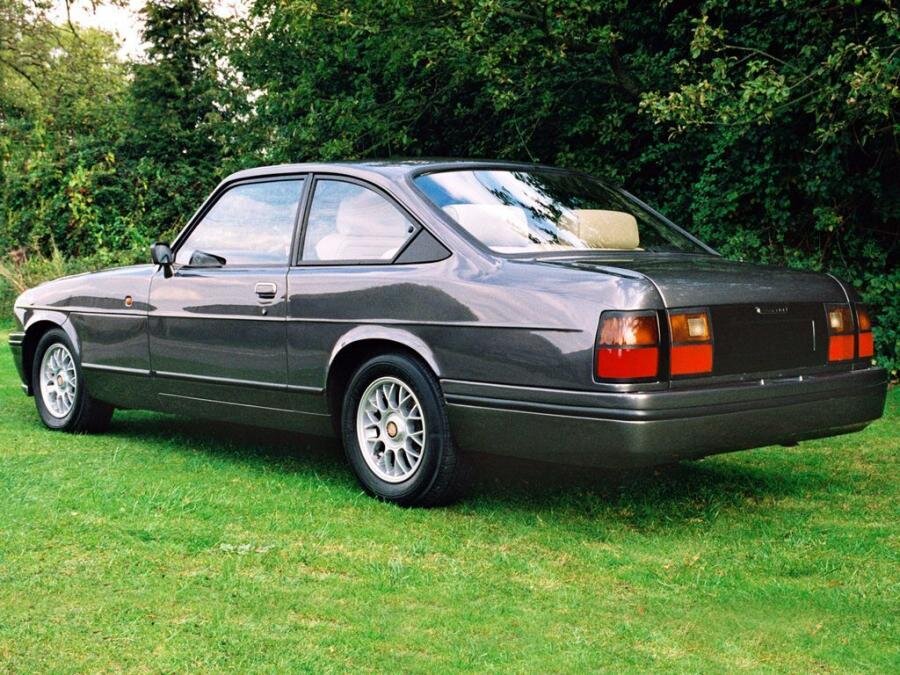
[768, 128]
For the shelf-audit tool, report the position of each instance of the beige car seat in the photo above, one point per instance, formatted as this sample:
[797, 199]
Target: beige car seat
[603, 229]
[367, 227]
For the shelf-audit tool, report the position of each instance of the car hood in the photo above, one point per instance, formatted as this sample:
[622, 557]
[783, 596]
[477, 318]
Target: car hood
[692, 280]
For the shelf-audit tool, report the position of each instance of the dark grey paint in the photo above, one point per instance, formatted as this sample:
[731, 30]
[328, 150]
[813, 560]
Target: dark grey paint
[510, 337]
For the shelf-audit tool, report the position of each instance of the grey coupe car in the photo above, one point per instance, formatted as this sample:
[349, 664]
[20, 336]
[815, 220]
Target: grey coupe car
[419, 309]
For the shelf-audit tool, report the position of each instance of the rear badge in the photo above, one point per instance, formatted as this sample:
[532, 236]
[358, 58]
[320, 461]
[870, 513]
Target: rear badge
[775, 309]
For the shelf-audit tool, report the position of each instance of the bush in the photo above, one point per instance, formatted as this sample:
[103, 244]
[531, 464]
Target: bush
[25, 269]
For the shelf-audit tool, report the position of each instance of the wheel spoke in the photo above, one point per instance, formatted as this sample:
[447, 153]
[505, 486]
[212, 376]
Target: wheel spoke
[403, 461]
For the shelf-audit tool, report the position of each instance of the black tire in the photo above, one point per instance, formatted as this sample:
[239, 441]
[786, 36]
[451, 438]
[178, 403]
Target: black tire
[438, 479]
[87, 415]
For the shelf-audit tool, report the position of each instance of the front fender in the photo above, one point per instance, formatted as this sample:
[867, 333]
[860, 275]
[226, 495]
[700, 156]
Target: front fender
[32, 319]
[23, 344]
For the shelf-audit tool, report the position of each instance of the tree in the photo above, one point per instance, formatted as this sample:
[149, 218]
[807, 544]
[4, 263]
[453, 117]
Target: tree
[60, 116]
[175, 120]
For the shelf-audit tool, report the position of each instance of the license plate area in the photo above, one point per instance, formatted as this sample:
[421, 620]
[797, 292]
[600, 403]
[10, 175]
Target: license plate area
[766, 338]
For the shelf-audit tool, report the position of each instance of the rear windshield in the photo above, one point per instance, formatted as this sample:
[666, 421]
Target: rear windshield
[534, 210]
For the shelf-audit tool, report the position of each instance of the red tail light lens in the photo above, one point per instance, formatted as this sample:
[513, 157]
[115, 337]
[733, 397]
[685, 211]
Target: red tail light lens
[692, 347]
[841, 333]
[628, 346]
[866, 340]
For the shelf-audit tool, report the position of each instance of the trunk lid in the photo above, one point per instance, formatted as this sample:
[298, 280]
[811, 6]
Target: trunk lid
[764, 319]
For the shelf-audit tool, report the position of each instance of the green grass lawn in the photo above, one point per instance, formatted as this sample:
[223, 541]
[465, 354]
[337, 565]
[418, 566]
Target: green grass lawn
[170, 544]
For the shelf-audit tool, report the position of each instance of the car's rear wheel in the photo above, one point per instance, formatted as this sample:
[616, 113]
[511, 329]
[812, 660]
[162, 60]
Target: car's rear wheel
[62, 400]
[396, 433]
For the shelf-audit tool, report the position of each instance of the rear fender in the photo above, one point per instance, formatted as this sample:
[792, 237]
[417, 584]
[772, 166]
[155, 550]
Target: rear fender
[383, 333]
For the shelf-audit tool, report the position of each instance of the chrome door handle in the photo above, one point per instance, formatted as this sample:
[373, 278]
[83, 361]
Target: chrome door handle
[266, 290]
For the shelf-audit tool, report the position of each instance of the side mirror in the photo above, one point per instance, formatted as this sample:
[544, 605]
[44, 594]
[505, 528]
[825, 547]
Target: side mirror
[162, 255]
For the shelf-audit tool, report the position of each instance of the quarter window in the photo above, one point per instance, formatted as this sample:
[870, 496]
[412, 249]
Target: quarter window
[351, 222]
[251, 224]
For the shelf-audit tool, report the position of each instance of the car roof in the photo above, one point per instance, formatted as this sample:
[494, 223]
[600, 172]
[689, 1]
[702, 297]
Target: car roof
[393, 169]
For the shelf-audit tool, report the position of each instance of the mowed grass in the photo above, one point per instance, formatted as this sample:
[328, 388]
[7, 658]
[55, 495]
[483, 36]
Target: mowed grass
[174, 545]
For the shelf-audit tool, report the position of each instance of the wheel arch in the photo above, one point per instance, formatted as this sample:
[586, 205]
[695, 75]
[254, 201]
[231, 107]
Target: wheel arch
[359, 346]
[38, 326]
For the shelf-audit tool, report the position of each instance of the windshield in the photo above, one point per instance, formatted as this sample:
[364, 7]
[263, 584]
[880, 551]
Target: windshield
[541, 210]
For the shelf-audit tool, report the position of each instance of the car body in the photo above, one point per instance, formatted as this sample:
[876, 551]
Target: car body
[511, 338]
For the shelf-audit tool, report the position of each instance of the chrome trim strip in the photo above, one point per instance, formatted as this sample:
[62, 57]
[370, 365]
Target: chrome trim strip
[295, 319]
[217, 380]
[439, 324]
[841, 286]
[305, 389]
[115, 369]
[202, 378]
[90, 310]
[219, 317]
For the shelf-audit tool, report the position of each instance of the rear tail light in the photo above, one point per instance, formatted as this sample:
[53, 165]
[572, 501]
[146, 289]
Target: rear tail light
[628, 346]
[692, 347]
[841, 333]
[866, 341]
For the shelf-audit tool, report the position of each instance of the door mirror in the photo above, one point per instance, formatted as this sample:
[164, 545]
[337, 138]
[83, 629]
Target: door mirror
[162, 255]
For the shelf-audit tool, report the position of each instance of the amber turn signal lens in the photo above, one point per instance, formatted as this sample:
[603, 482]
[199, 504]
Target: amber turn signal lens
[863, 319]
[840, 321]
[689, 327]
[866, 340]
[624, 329]
[628, 346]
[692, 349]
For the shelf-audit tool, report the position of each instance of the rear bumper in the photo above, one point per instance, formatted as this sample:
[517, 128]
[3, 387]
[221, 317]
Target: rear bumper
[641, 429]
[16, 340]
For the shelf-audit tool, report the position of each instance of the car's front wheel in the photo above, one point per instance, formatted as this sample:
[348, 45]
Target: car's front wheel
[396, 433]
[62, 400]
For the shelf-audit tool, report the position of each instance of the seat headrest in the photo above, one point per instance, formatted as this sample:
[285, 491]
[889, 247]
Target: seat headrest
[604, 229]
[495, 225]
[368, 214]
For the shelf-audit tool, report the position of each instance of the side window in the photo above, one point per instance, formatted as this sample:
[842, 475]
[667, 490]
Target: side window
[351, 222]
[251, 224]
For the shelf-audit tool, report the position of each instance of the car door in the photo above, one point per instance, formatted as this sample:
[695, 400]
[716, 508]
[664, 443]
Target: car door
[347, 276]
[217, 327]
